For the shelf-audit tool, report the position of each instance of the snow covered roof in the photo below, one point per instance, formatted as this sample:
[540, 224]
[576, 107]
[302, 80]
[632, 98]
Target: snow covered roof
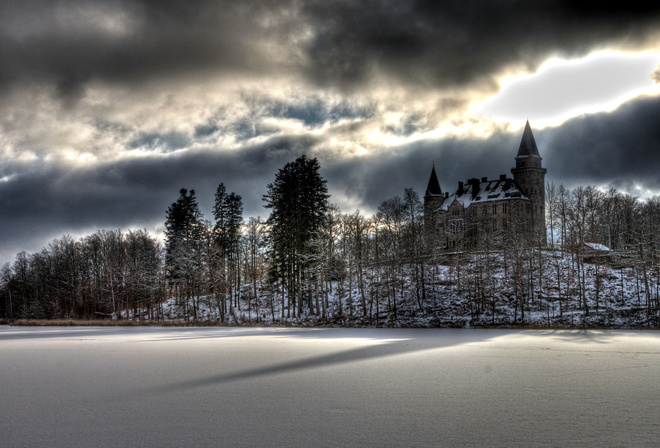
[475, 191]
[599, 247]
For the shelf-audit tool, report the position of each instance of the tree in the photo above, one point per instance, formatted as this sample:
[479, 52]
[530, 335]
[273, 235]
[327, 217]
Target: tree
[6, 305]
[143, 261]
[413, 212]
[228, 214]
[333, 265]
[298, 200]
[357, 227]
[254, 263]
[551, 208]
[390, 220]
[184, 234]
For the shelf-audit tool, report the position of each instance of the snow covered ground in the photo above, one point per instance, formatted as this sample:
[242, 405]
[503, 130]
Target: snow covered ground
[460, 295]
[249, 387]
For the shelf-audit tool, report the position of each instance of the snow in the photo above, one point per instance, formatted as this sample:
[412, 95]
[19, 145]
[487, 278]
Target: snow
[615, 292]
[248, 387]
[596, 246]
[490, 190]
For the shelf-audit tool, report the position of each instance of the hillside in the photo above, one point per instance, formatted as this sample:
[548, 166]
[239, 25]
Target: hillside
[551, 290]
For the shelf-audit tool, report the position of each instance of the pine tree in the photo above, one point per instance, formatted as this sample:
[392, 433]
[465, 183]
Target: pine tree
[228, 214]
[298, 200]
[184, 232]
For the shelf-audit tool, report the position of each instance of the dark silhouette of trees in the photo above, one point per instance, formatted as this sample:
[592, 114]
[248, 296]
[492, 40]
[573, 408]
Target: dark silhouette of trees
[184, 234]
[104, 274]
[298, 200]
[311, 261]
[228, 214]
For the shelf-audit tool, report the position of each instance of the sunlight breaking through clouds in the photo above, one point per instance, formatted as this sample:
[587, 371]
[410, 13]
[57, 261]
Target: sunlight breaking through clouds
[121, 103]
[562, 89]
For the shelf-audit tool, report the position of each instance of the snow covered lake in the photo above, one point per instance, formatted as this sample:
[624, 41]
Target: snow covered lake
[247, 387]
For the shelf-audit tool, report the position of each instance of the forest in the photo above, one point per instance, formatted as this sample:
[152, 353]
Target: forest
[310, 264]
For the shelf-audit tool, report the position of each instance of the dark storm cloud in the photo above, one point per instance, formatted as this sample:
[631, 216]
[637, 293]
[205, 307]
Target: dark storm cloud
[620, 149]
[71, 89]
[454, 43]
[71, 42]
[341, 43]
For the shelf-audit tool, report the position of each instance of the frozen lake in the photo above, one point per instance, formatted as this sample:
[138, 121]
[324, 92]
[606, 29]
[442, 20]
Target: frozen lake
[247, 387]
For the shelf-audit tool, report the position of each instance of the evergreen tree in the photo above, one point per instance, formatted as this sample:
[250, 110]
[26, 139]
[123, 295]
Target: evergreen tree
[184, 231]
[228, 214]
[298, 200]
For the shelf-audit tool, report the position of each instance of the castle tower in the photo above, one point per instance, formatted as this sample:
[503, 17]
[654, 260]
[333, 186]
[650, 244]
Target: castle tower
[529, 175]
[433, 198]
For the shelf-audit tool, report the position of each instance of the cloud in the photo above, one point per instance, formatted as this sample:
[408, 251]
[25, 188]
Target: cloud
[343, 44]
[620, 149]
[655, 76]
[70, 90]
[110, 107]
[561, 89]
[455, 43]
[134, 42]
[45, 203]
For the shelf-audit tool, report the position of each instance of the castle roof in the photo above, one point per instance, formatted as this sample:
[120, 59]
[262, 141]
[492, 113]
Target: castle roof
[528, 146]
[475, 191]
[433, 188]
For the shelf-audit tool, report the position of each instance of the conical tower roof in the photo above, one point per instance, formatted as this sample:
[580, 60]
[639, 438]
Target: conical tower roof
[528, 146]
[433, 187]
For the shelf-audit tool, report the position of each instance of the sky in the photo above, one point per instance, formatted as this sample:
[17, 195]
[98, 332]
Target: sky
[109, 107]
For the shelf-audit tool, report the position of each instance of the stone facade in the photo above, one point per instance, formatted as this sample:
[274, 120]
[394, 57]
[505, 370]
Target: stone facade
[483, 213]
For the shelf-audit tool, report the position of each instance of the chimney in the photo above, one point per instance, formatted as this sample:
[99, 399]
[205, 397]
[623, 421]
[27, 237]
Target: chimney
[474, 183]
[502, 177]
[460, 189]
[484, 179]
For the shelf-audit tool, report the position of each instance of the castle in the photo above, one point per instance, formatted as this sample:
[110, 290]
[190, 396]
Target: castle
[485, 213]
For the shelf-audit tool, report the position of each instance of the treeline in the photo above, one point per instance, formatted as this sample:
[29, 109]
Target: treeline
[630, 227]
[616, 220]
[308, 259]
[94, 277]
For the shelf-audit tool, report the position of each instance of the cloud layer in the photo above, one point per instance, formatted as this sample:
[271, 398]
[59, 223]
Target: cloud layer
[110, 107]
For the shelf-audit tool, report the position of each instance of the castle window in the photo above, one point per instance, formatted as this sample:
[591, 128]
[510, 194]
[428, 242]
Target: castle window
[485, 211]
[494, 209]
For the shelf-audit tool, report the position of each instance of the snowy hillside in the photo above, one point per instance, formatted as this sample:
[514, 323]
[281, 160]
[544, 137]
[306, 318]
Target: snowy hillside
[550, 289]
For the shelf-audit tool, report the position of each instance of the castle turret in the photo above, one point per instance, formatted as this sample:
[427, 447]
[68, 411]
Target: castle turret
[433, 188]
[433, 199]
[529, 175]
